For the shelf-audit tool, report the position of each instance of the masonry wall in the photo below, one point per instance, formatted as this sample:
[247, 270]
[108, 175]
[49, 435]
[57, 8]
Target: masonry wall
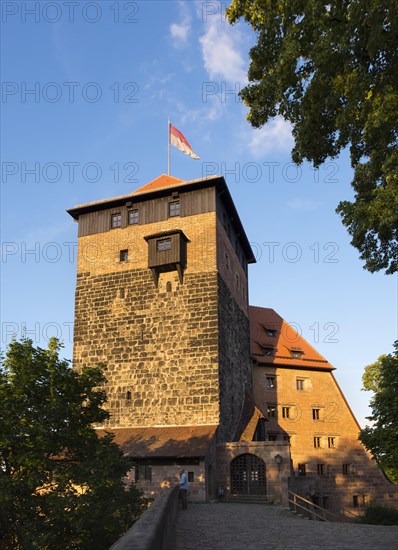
[177, 354]
[346, 469]
[276, 476]
[165, 475]
[159, 345]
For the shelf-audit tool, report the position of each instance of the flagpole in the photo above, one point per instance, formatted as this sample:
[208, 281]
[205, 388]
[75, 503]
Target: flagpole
[168, 147]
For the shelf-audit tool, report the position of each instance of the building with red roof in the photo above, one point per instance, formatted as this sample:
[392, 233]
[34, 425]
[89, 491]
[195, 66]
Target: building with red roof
[197, 378]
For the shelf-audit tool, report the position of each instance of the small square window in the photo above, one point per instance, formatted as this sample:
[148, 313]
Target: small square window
[331, 442]
[321, 469]
[346, 469]
[300, 384]
[287, 438]
[174, 208]
[124, 255]
[271, 410]
[271, 382]
[133, 217]
[272, 437]
[317, 442]
[286, 412]
[116, 220]
[315, 414]
[191, 477]
[163, 244]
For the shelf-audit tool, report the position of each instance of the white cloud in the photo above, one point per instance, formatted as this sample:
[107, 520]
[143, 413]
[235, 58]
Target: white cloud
[180, 31]
[276, 136]
[222, 58]
[302, 204]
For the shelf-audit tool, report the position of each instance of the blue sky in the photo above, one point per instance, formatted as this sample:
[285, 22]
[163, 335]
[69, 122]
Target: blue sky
[86, 92]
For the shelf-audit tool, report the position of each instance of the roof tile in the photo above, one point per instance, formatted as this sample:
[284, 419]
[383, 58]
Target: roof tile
[285, 341]
[163, 442]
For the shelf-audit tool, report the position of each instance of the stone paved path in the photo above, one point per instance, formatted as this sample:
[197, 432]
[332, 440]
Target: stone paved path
[257, 527]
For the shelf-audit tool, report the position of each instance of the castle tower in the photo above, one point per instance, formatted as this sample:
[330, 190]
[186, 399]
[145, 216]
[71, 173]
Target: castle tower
[162, 300]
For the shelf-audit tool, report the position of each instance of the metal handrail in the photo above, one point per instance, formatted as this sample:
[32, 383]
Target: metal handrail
[302, 499]
[343, 512]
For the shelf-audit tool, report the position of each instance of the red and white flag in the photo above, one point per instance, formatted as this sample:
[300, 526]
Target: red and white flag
[178, 140]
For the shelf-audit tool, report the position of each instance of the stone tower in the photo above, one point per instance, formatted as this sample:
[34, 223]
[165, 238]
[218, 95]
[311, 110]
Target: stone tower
[162, 299]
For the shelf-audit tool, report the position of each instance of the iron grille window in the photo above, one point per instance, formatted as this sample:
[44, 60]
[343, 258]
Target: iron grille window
[134, 217]
[163, 244]
[124, 255]
[331, 442]
[315, 414]
[271, 382]
[317, 442]
[174, 208]
[286, 412]
[116, 220]
[346, 469]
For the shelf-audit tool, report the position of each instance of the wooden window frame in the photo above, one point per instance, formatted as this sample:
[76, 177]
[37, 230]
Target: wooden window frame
[174, 208]
[118, 217]
[133, 216]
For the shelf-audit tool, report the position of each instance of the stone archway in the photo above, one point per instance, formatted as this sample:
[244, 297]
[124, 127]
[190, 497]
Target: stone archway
[248, 475]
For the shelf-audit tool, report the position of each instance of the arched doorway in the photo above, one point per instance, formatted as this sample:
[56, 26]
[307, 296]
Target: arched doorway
[248, 475]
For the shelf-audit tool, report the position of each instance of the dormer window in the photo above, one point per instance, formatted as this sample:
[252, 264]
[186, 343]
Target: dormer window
[296, 353]
[270, 331]
[174, 208]
[268, 351]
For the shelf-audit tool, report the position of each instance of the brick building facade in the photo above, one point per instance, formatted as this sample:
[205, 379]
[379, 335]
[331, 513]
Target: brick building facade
[162, 299]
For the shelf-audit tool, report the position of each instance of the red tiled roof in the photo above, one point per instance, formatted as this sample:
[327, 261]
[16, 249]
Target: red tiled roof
[283, 343]
[163, 442]
[160, 182]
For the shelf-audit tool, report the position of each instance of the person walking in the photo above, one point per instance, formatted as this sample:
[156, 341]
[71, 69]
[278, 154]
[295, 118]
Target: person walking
[183, 489]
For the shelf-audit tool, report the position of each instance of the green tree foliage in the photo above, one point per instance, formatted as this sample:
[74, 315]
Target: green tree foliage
[331, 69]
[61, 486]
[381, 438]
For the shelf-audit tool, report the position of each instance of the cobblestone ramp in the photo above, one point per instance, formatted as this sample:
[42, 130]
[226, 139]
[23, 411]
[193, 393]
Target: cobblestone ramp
[257, 527]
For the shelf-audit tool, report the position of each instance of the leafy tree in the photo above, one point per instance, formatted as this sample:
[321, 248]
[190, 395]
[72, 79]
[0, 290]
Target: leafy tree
[331, 69]
[61, 486]
[382, 437]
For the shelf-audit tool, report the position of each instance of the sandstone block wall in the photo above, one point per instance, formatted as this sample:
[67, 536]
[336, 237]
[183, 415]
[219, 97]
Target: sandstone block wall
[337, 429]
